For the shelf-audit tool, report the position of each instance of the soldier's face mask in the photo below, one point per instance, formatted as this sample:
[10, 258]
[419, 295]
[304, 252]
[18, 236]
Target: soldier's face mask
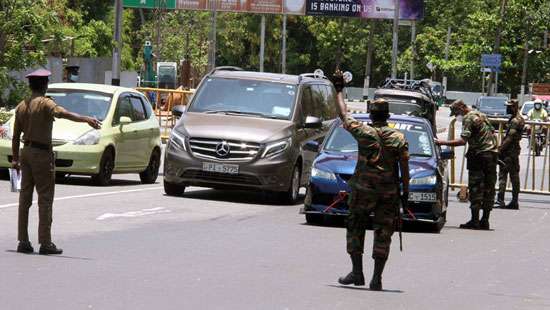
[73, 78]
[538, 106]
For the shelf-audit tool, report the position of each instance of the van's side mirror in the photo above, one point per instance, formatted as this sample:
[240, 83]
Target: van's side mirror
[313, 122]
[178, 110]
[312, 146]
[124, 120]
[447, 154]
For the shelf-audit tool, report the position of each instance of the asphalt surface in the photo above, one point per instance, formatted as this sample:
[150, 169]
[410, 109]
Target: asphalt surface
[128, 246]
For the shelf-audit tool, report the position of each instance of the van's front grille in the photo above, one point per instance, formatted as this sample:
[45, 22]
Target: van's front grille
[217, 149]
[234, 179]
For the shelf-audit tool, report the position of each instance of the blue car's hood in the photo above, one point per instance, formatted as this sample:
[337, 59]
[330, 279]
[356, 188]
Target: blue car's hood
[344, 163]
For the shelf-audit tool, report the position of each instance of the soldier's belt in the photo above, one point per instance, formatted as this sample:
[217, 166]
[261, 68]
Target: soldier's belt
[37, 145]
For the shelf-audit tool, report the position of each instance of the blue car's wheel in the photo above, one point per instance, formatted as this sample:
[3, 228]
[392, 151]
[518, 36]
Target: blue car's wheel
[314, 218]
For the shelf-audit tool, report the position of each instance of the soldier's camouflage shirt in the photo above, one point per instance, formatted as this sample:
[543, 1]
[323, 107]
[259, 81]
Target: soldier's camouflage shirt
[380, 149]
[479, 133]
[514, 133]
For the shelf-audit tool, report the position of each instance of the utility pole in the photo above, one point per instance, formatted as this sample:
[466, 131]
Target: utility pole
[497, 47]
[212, 37]
[447, 46]
[283, 52]
[262, 43]
[395, 39]
[524, 71]
[546, 39]
[370, 47]
[115, 72]
[413, 46]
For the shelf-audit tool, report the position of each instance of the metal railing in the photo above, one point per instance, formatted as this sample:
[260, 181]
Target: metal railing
[535, 181]
[163, 101]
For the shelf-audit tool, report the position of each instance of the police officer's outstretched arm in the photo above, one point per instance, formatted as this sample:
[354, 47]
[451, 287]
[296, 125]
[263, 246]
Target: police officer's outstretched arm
[338, 81]
[93, 122]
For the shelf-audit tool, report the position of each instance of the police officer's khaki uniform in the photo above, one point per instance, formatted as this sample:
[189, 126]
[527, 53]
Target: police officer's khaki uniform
[34, 119]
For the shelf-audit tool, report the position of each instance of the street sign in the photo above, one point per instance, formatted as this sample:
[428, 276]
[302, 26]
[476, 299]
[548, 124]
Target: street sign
[150, 4]
[491, 60]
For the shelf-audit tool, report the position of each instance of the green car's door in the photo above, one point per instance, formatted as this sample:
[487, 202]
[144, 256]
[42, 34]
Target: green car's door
[125, 135]
[143, 130]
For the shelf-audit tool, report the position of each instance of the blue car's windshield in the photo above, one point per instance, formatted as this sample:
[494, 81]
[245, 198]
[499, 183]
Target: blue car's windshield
[245, 97]
[493, 103]
[420, 141]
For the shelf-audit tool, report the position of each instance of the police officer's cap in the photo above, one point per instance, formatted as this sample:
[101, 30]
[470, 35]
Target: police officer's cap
[379, 105]
[40, 73]
[512, 102]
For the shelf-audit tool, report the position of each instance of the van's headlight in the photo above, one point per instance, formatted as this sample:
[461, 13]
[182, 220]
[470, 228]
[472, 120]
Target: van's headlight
[275, 148]
[90, 138]
[177, 140]
[429, 180]
[322, 174]
[5, 132]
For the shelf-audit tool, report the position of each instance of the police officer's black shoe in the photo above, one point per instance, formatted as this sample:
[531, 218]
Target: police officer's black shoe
[376, 281]
[49, 249]
[357, 279]
[375, 285]
[471, 224]
[25, 247]
[484, 224]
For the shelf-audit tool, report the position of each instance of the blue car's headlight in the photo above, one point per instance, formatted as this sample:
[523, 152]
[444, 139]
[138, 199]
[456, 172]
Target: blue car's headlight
[322, 174]
[429, 180]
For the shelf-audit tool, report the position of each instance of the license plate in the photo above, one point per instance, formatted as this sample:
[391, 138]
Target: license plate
[220, 168]
[426, 197]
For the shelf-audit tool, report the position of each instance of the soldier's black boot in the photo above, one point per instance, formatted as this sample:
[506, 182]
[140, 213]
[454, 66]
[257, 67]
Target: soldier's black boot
[25, 247]
[356, 276]
[514, 203]
[50, 249]
[474, 222]
[499, 203]
[484, 223]
[376, 281]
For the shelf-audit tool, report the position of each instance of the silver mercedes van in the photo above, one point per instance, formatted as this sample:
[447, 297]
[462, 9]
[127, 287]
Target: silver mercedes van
[250, 130]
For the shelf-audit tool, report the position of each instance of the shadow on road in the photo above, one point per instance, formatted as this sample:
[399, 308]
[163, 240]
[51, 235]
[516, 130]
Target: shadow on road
[87, 181]
[238, 196]
[56, 256]
[365, 289]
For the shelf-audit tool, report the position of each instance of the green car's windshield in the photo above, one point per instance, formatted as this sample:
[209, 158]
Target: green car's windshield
[245, 97]
[418, 137]
[83, 102]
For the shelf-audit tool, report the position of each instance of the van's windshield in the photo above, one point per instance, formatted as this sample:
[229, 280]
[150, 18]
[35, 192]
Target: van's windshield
[245, 97]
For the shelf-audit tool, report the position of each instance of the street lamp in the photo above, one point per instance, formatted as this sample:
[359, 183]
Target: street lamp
[524, 73]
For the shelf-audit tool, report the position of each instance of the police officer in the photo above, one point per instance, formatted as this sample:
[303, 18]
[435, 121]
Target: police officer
[478, 132]
[508, 153]
[375, 186]
[34, 118]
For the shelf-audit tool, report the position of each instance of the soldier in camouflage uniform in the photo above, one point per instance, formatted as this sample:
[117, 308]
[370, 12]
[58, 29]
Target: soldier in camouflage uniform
[508, 153]
[478, 132]
[375, 187]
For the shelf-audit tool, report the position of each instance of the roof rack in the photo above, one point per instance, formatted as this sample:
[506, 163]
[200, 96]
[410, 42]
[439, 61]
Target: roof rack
[421, 86]
[225, 68]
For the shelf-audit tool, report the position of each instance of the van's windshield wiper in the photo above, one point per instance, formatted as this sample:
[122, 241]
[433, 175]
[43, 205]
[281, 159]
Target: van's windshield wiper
[235, 112]
[420, 155]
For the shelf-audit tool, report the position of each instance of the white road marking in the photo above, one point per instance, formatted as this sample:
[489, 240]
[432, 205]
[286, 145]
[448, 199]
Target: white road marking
[10, 205]
[142, 212]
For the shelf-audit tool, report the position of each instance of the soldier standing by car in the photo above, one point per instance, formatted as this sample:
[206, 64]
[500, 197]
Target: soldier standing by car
[478, 132]
[34, 119]
[375, 186]
[508, 153]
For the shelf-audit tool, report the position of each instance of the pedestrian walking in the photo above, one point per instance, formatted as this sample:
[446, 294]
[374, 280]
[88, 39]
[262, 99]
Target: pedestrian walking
[34, 119]
[375, 186]
[481, 157]
[508, 153]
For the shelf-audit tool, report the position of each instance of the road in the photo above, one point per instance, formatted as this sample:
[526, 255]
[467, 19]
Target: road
[128, 246]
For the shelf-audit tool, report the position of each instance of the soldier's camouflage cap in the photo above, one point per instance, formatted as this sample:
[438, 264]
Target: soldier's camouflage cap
[379, 105]
[457, 104]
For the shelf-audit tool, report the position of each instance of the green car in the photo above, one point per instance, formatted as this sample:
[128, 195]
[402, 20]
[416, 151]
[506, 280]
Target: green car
[128, 142]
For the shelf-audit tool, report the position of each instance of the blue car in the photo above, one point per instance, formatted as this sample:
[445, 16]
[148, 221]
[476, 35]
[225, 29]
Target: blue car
[335, 164]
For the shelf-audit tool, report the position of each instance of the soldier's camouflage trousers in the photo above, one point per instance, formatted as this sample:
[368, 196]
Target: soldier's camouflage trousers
[384, 204]
[482, 176]
[510, 167]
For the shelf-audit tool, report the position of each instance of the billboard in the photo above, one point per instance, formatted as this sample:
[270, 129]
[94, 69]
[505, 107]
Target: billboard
[379, 9]
[291, 7]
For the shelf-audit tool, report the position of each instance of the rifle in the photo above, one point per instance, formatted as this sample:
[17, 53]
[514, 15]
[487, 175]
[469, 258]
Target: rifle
[403, 205]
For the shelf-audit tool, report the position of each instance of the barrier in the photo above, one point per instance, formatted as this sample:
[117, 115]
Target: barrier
[163, 101]
[535, 180]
